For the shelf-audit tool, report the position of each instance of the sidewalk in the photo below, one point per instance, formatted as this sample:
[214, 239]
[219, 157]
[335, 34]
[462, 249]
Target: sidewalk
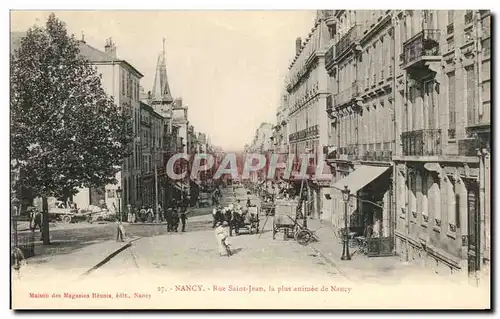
[361, 268]
[68, 266]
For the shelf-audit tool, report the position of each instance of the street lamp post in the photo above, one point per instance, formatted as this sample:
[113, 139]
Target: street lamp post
[345, 249]
[119, 196]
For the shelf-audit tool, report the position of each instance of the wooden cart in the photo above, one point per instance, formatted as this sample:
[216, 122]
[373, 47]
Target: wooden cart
[284, 218]
[268, 208]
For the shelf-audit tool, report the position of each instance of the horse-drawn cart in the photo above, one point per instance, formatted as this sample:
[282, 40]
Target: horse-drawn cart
[204, 199]
[268, 208]
[284, 218]
[249, 221]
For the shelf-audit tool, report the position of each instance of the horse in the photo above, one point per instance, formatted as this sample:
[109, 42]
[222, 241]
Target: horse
[218, 217]
[232, 220]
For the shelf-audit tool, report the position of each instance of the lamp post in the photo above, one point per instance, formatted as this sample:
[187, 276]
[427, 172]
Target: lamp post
[345, 249]
[119, 196]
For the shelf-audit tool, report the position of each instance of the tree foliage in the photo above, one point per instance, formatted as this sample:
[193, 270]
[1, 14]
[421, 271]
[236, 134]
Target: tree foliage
[66, 132]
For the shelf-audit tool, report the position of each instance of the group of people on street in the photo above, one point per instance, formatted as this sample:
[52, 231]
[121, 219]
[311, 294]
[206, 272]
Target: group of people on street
[227, 218]
[173, 216]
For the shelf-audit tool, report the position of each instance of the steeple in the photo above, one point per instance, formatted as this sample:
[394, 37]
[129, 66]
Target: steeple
[161, 90]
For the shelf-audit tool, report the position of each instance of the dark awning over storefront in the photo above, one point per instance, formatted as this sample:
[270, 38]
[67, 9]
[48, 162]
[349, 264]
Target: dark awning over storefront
[361, 177]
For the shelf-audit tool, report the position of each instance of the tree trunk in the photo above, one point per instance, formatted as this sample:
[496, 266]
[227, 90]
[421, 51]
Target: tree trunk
[45, 221]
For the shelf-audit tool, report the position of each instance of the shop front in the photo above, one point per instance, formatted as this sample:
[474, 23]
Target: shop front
[369, 209]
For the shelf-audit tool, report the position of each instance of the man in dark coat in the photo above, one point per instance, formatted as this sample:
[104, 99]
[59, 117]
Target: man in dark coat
[175, 220]
[183, 217]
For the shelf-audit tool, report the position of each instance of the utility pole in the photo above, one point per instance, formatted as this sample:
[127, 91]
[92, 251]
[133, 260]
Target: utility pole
[307, 204]
[157, 216]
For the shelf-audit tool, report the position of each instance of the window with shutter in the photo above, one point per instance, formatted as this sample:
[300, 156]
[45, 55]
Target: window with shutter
[451, 106]
[471, 94]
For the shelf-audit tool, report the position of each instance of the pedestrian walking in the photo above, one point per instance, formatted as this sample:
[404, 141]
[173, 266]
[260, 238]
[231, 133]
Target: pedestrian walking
[168, 218]
[142, 214]
[175, 219]
[214, 216]
[159, 213]
[135, 211]
[149, 214]
[183, 218]
[129, 213]
[120, 231]
[38, 220]
[222, 236]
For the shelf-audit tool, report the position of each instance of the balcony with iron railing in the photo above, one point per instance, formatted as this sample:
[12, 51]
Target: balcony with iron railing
[449, 29]
[348, 94]
[330, 57]
[329, 102]
[422, 142]
[311, 131]
[468, 17]
[349, 39]
[421, 48]
[365, 152]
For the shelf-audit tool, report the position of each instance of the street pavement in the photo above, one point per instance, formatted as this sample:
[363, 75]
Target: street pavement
[164, 265]
[67, 238]
[157, 250]
[195, 250]
[78, 249]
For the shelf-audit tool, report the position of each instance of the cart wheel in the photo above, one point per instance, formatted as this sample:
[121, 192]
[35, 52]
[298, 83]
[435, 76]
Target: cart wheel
[66, 219]
[303, 237]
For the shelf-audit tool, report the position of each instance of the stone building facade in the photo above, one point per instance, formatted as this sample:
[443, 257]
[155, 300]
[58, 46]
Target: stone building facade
[152, 127]
[121, 81]
[360, 109]
[442, 165]
[307, 127]
[409, 132]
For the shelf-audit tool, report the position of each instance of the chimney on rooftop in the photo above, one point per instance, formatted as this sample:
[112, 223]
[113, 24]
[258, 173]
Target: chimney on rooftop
[178, 102]
[110, 48]
[298, 45]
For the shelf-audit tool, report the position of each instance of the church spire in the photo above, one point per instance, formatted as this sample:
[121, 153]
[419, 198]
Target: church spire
[161, 93]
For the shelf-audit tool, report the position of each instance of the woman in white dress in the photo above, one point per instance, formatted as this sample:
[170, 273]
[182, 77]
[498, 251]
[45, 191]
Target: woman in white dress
[222, 236]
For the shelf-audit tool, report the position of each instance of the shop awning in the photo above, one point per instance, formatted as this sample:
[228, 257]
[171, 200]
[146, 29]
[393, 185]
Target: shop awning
[361, 177]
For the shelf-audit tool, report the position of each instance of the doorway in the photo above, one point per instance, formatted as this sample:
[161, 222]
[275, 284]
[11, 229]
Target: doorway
[473, 251]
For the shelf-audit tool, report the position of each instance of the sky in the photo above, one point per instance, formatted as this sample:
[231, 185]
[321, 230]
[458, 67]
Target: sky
[228, 66]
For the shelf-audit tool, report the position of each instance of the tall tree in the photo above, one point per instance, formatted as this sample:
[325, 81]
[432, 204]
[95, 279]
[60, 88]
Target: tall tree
[66, 132]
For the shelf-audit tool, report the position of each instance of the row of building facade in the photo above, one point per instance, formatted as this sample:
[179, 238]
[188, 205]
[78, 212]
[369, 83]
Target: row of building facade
[161, 128]
[397, 103]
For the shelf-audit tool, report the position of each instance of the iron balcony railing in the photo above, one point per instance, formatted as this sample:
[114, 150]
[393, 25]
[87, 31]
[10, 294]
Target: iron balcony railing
[468, 17]
[348, 94]
[449, 29]
[329, 102]
[347, 40]
[378, 156]
[422, 142]
[425, 43]
[359, 153]
[305, 133]
[330, 55]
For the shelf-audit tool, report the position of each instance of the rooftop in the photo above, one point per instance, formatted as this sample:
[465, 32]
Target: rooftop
[87, 51]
